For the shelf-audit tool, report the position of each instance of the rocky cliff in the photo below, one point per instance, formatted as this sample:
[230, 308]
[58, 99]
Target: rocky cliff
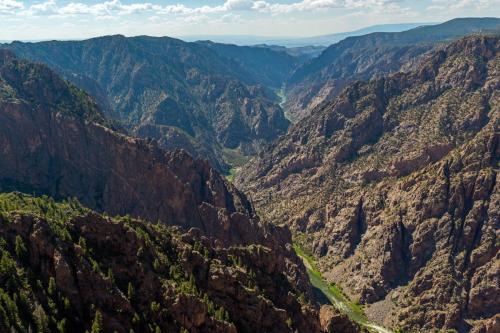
[393, 186]
[185, 95]
[54, 141]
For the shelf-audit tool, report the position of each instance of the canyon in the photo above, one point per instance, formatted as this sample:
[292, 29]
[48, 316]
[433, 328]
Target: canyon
[149, 184]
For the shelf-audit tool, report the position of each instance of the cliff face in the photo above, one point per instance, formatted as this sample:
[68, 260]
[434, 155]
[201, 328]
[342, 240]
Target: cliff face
[363, 57]
[164, 88]
[54, 141]
[393, 186]
[66, 268]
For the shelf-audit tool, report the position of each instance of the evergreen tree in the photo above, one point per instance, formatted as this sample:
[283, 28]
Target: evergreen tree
[97, 323]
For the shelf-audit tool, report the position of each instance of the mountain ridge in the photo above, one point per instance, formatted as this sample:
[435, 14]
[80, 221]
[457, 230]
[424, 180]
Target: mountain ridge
[363, 57]
[158, 85]
[392, 185]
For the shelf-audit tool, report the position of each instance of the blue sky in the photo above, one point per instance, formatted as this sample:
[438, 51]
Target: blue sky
[62, 19]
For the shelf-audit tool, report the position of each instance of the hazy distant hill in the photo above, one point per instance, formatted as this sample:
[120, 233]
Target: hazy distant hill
[327, 40]
[270, 67]
[291, 42]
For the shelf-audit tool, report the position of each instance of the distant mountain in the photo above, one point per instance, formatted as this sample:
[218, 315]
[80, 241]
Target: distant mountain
[213, 100]
[294, 42]
[360, 58]
[393, 186]
[303, 53]
[189, 252]
[270, 67]
[327, 40]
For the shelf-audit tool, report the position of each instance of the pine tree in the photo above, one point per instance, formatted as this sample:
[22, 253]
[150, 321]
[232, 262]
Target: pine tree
[20, 248]
[97, 323]
[130, 291]
[52, 286]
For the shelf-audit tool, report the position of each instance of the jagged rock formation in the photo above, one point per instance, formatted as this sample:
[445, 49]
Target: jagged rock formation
[65, 154]
[63, 267]
[185, 95]
[333, 321]
[361, 58]
[55, 141]
[394, 186]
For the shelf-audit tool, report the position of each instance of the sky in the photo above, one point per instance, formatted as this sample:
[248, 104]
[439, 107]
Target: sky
[78, 19]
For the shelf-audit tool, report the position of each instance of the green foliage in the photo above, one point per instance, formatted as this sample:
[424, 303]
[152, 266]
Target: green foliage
[95, 266]
[20, 248]
[110, 275]
[66, 303]
[51, 289]
[83, 244]
[156, 264]
[236, 260]
[302, 298]
[61, 326]
[332, 292]
[130, 291]
[221, 314]
[41, 319]
[7, 265]
[136, 319]
[189, 287]
[97, 323]
[29, 298]
[155, 307]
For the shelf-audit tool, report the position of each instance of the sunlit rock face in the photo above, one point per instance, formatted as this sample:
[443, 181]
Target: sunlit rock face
[393, 186]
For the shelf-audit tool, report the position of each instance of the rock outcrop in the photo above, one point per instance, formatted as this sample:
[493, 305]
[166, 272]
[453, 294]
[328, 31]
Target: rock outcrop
[394, 187]
[333, 321]
[65, 268]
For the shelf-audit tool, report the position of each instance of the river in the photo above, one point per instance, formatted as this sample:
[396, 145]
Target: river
[282, 96]
[336, 297]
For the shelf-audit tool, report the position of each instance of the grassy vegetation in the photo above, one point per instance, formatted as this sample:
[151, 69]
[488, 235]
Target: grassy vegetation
[236, 160]
[235, 157]
[232, 173]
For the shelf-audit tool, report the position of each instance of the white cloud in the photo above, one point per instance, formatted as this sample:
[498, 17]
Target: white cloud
[117, 8]
[239, 4]
[464, 4]
[7, 6]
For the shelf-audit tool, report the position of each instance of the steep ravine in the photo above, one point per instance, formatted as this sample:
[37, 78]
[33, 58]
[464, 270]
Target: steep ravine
[282, 95]
[335, 297]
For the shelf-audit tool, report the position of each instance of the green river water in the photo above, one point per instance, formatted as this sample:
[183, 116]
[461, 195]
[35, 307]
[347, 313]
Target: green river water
[336, 297]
